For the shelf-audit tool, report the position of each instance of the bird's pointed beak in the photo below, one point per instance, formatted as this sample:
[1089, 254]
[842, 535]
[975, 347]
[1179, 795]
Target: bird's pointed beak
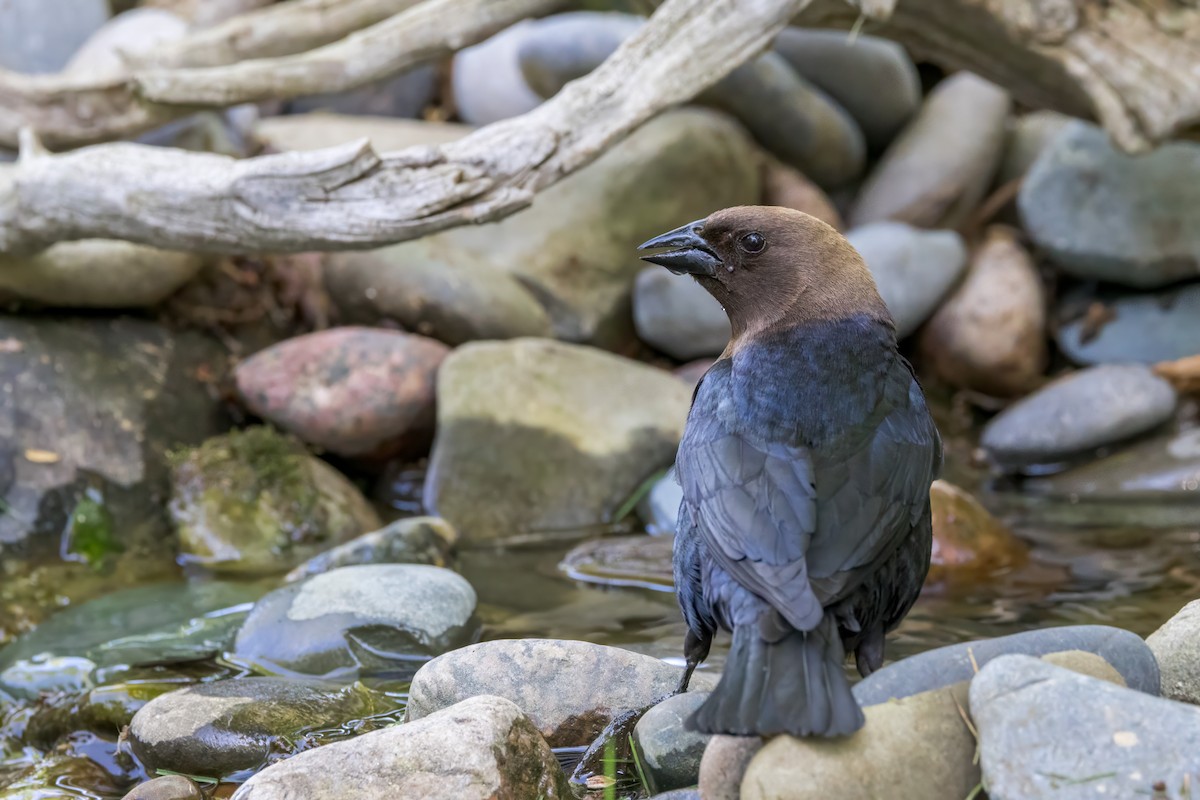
[691, 254]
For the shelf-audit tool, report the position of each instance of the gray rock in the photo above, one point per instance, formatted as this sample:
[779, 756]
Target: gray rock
[1176, 645]
[336, 623]
[678, 794]
[913, 269]
[1078, 413]
[1104, 215]
[222, 728]
[574, 249]
[571, 690]
[481, 749]
[42, 35]
[678, 316]
[486, 78]
[669, 754]
[1028, 136]
[938, 169]
[790, 117]
[136, 31]
[1046, 732]
[639, 560]
[1125, 652]
[168, 787]
[95, 642]
[519, 421]
[659, 509]
[1139, 328]
[255, 502]
[872, 78]
[405, 95]
[319, 129]
[412, 540]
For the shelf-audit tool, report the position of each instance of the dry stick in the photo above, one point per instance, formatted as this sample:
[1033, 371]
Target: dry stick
[348, 196]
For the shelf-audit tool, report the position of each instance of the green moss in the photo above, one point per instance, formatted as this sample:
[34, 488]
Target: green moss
[89, 536]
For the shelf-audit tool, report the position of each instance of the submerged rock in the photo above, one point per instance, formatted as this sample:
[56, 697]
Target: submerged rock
[481, 749]
[254, 501]
[1140, 328]
[520, 421]
[571, 690]
[413, 540]
[676, 315]
[101, 711]
[360, 617]
[356, 392]
[1078, 413]
[218, 729]
[670, 754]
[969, 544]
[45, 778]
[1176, 646]
[641, 561]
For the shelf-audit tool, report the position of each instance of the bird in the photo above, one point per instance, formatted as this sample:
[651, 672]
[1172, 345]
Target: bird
[805, 463]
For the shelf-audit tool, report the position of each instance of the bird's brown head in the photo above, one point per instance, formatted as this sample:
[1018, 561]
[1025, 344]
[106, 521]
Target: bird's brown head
[768, 266]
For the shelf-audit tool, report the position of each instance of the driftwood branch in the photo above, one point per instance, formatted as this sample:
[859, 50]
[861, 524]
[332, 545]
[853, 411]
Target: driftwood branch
[350, 197]
[1129, 64]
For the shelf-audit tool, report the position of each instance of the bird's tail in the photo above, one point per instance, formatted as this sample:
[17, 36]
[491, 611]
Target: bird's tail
[794, 685]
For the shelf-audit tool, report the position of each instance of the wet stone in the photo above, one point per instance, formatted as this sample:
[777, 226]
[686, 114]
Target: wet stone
[1141, 328]
[45, 778]
[969, 544]
[671, 755]
[168, 787]
[360, 618]
[412, 540]
[100, 711]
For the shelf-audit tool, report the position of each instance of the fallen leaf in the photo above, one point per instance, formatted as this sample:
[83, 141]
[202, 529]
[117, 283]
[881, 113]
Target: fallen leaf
[42, 457]
[1183, 374]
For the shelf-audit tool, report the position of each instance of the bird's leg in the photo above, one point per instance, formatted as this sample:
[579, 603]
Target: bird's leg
[695, 649]
[868, 656]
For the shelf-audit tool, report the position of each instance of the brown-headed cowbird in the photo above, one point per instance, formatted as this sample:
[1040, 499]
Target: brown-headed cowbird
[805, 465]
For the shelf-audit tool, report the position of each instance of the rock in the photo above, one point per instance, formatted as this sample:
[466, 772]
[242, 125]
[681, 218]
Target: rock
[519, 421]
[47, 776]
[574, 249]
[1103, 215]
[678, 794]
[319, 129]
[412, 540]
[1130, 660]
[1045, 732]
[405, 95]
[137, 31]
[359, 617]
[42, 35]
[724, 763]
[676, 315]
[1176, 646]
[456, 301]
[1078, 413]
[872, 78]
[786, 186]
[641, 561]
[671, 755]
[168, 787]
[969, 544]
[790, 117]
[571, 690]
[938, 169]
[224, 727]
[486, 78]
[913, 269]
[96, 713]
[481, 749]
[254, 501]
[659, 509]
[1028, 137]
[1140, 328]
[96, 641]
[98, 273]
[990, 334]
[691, 372]
[356, 392]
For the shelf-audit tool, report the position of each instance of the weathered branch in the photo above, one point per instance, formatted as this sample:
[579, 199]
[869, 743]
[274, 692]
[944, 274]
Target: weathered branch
[420, 34]
[1129, 64]
[349, 197]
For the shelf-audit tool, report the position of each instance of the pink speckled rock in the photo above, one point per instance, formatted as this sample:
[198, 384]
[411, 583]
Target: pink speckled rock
[356, 392]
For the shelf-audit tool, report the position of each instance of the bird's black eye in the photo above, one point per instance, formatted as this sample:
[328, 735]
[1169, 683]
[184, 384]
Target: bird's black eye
[752, 242]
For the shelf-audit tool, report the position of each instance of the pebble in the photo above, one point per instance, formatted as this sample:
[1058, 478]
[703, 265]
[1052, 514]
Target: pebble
[788, 187]
[913, 269]
[42, 35]
[1078, 413]
[1028, 137]
[355, 392]
[1138, 328]
[669, 754]
[486, 78]
[1101, 214]
[1176, 646]
[571, 690]
[255, 502]
[937, 170]
[989, 335]
[675, 314]
[364, 617]
[870, 77]
[1046, 732]
[412, 540]
[221, 728]
[519, 421]
[481, 749]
